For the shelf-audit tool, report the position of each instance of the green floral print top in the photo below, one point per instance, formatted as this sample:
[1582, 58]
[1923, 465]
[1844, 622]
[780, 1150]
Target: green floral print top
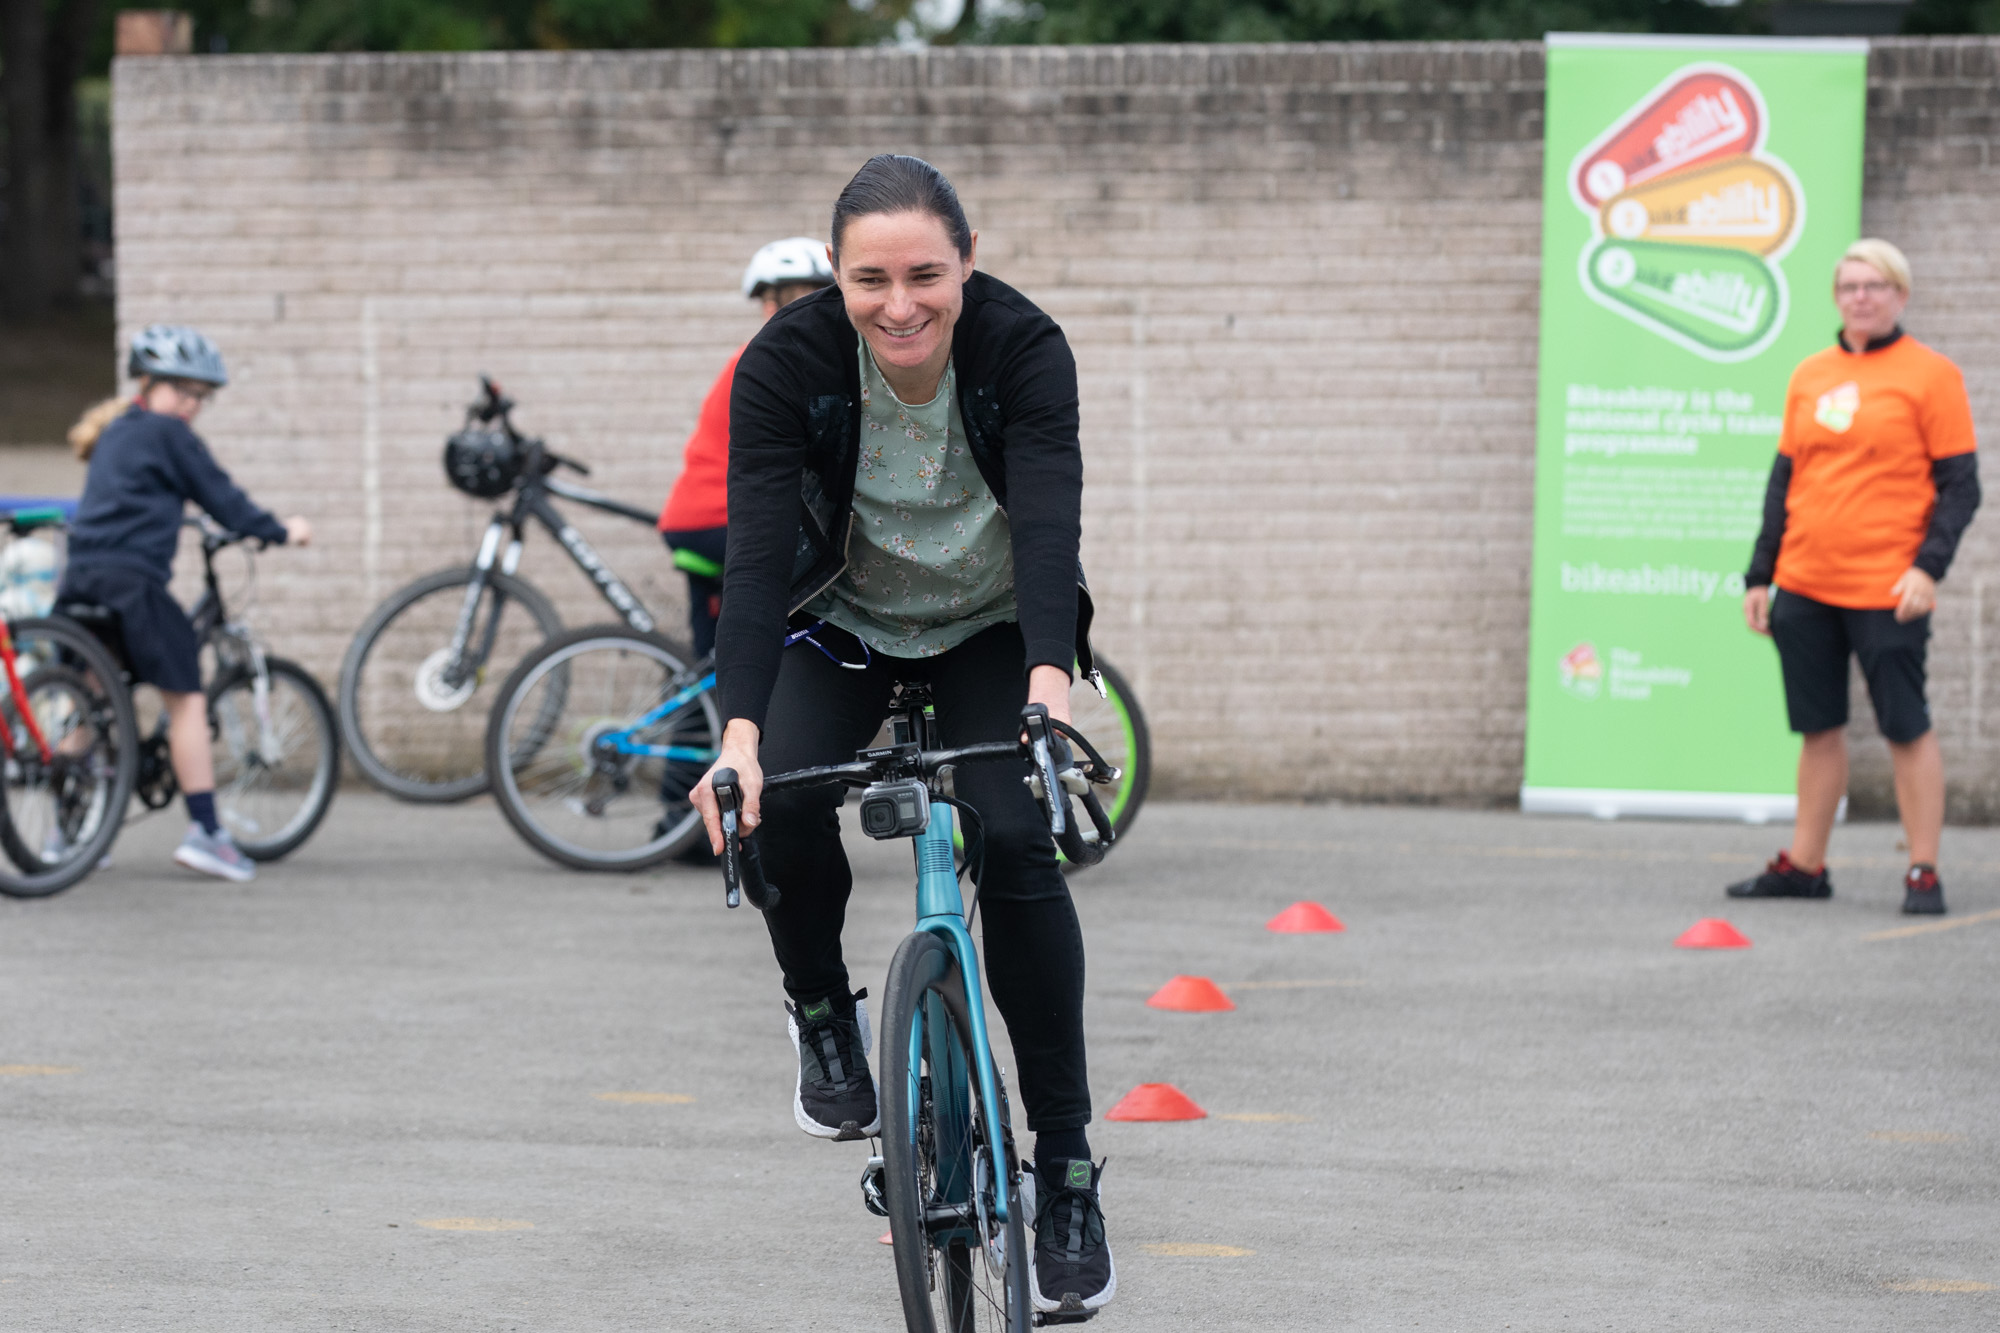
[930, 562]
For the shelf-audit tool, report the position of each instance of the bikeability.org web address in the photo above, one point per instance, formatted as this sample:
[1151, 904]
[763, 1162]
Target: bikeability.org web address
[1651, 580]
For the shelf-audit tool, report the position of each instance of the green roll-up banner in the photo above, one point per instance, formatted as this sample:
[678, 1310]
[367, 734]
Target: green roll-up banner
[1696, 194]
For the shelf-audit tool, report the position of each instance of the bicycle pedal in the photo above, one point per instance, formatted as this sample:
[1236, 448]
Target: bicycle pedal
[850, 1132]
[872, 1188]
[1071, 1312]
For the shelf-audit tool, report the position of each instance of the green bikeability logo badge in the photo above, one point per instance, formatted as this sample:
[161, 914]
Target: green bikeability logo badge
[1689, 216]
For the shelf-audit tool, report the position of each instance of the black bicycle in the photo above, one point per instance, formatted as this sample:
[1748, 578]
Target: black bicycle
[411, 685]
[276, 743]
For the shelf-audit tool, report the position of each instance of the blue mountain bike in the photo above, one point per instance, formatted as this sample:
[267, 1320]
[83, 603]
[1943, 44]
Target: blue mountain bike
[598, 735]
[948, 1177]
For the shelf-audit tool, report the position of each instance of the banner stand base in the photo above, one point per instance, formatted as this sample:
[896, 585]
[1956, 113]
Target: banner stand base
[1616, 803]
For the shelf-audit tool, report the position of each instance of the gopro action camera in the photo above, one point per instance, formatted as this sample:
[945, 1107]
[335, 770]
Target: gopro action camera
[899, 809]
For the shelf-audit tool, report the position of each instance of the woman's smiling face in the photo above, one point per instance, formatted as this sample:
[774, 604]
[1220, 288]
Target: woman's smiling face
[903, 281]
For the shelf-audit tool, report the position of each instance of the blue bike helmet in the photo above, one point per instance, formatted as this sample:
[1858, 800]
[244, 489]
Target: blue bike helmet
[175, 352]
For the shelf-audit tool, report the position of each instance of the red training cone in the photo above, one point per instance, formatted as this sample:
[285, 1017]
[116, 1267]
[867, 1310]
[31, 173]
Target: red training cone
[1304, 919]
[1191, 995]
[1156, 1101]
[1712, 932]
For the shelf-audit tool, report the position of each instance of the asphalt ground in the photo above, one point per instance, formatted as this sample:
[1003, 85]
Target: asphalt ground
[414, 1078]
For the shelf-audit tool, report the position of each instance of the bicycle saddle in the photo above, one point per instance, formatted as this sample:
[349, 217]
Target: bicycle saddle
[104, 623]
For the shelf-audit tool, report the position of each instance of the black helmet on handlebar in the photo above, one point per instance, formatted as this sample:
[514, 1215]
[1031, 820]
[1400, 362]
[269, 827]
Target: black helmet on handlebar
[483, 461]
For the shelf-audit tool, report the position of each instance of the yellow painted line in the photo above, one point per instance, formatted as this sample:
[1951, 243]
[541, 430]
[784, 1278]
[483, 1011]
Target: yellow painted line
[1536, 852]
[1932, 927]
[30, 1071]
[475, 1224]
[1264, 1118]
[1176, 1249]
[1938, 1284]
[1316, 984]
[646, 1098]
[1914, 1136]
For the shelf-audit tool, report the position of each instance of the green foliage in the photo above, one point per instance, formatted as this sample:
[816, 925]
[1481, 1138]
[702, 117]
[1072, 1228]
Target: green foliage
[1357, 20]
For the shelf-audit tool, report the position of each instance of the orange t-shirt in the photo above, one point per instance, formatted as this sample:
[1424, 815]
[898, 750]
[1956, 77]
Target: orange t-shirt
[1862, 430]
[700, 498]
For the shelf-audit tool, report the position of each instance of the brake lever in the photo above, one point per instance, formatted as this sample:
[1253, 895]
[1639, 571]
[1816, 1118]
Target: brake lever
[742, 863]
[1041, 748]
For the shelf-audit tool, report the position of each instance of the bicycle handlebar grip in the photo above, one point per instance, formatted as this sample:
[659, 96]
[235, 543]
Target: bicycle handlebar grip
[1081, 850]
[742, 864]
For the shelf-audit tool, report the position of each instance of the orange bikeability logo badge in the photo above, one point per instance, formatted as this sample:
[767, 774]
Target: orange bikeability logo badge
[1689, 215]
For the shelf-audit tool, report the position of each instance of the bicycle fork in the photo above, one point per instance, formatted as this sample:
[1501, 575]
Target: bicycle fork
[458, 665]
[941, 912]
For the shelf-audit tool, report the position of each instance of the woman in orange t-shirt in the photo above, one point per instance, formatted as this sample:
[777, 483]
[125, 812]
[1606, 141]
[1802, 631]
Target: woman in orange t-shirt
[1874, 483]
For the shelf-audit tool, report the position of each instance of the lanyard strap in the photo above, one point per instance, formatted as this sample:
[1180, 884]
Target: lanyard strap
[806, 634]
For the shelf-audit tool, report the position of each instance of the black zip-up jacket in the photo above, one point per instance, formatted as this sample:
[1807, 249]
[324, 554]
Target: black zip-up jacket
[143, 471]
[794, 442]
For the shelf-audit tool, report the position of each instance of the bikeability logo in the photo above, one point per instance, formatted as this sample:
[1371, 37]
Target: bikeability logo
[1580, 671]
[1689, 215]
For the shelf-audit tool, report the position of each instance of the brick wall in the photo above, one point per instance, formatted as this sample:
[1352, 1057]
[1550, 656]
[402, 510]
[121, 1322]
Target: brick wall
[1300, 282]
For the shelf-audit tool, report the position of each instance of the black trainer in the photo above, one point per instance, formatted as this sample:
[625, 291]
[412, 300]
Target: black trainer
[1782, 879]
[1073, 1274]
[1923, 892]
[836, 1094]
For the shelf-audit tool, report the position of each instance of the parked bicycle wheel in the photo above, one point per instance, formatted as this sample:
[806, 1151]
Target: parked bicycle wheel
[959, 1269]
[59, 815]
[595, 742]
[413, 712]
[277, 756]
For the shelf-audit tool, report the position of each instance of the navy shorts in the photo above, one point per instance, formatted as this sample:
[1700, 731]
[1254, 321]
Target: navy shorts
[1814, 642]
[160, 643]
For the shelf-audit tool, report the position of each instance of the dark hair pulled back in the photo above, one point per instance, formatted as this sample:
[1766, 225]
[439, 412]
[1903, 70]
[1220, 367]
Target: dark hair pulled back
[895, 183]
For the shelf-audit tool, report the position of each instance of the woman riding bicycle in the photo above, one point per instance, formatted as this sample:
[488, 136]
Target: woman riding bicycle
[904, 466]
[146, 463]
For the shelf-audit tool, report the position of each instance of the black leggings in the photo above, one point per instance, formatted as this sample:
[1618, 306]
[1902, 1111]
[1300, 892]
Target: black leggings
[821, 713]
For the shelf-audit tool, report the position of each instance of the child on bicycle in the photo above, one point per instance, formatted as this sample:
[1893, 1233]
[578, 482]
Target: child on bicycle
[146, 464]
[695, 521]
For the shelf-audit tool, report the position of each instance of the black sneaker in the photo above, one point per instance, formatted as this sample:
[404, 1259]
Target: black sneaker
[836, 1095]
[1072, 1269]
[1923, 892]
[1782, 879]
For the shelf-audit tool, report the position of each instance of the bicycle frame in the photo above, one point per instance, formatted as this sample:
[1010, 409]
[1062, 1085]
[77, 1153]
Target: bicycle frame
[941, 912]
[621, 742]
[19, 691]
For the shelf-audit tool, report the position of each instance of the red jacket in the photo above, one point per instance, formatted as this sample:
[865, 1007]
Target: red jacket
[700, 498]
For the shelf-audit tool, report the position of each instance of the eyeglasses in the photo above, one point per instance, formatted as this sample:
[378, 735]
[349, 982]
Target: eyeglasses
[199, 392]
[1844, 290]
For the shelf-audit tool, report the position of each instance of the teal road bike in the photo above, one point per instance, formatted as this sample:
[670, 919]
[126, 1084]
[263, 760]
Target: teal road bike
[598, 735]
[948, 1177]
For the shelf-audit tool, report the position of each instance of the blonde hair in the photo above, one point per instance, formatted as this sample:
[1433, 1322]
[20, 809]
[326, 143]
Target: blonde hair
[1881, 256]
[83, 435]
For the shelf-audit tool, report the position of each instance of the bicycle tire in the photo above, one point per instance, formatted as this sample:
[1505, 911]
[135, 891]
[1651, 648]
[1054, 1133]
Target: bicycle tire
[357, 683]
[545, 775]
[74, 656]
[265, 819]
[953, 1287]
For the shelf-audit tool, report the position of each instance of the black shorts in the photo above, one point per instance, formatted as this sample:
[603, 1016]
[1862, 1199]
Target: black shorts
[1814, 641]
[160, 643]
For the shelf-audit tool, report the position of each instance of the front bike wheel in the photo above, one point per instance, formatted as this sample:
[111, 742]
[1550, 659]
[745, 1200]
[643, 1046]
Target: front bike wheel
[414, 716]
[595, 742]
[59, 816]
[959, 1268]
[277, 756]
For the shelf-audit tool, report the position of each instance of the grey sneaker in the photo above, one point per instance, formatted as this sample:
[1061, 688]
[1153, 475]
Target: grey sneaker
[215, 854]
[1073, 1274]
[835, 1098]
